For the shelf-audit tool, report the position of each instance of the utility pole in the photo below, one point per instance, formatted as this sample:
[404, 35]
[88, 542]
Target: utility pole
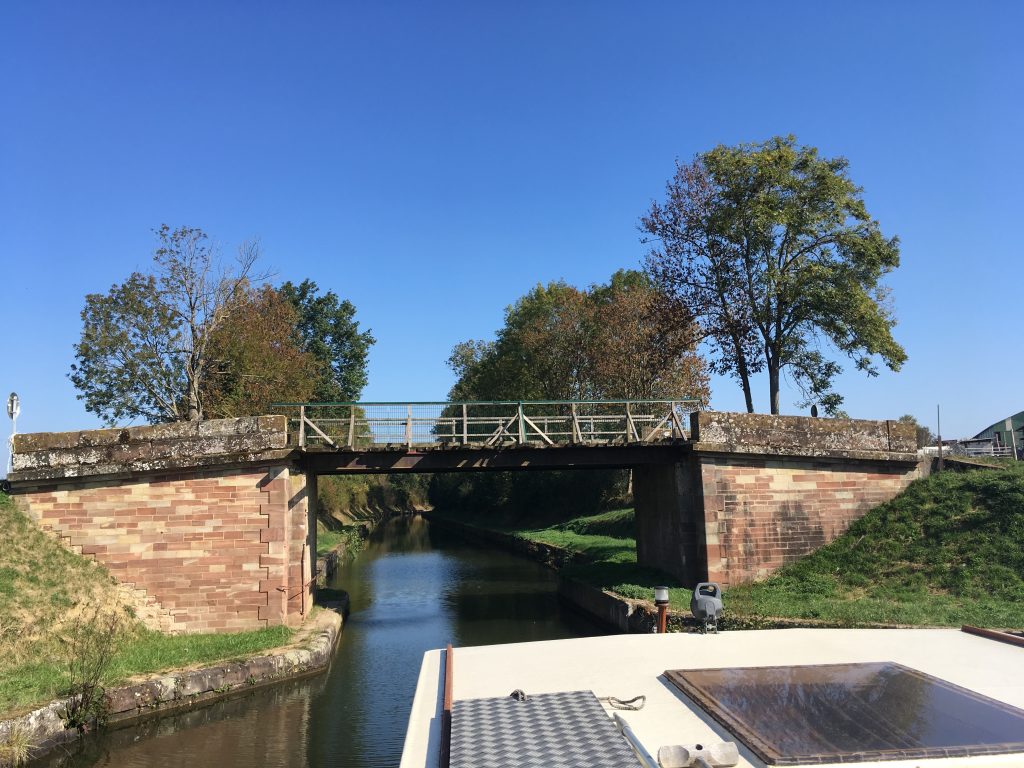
[13, 409]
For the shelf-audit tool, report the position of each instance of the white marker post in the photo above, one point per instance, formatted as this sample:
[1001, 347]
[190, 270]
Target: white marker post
[13, 409]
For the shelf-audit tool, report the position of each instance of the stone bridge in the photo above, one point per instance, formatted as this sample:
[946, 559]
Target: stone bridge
[212, 524]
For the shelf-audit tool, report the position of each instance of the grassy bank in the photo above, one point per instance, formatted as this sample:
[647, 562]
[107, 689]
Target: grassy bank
[330, 538]
[51, 597]
[947, 551]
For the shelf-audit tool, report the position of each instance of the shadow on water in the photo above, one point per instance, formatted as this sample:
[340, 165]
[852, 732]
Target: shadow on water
[414, 588]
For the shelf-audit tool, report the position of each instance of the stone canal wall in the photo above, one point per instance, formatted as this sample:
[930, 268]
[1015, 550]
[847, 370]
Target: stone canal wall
[756, 492]
[209, 524]
[188, 689]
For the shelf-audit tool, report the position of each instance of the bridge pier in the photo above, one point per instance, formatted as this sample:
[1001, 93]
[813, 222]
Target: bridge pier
[755, 492]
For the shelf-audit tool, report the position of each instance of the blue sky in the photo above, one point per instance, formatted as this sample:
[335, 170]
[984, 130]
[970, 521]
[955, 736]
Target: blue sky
[433, 161]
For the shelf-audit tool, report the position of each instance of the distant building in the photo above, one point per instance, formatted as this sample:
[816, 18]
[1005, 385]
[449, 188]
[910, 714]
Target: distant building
[1000, 439]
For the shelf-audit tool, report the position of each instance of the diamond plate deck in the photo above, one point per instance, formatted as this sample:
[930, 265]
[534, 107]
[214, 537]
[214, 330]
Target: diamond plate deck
[548, 730]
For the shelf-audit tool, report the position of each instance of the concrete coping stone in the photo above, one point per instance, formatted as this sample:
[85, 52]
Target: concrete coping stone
[40, 476]
[182, 430]
[807, 435]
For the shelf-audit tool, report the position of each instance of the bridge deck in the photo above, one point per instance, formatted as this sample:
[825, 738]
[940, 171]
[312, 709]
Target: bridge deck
[455, 458]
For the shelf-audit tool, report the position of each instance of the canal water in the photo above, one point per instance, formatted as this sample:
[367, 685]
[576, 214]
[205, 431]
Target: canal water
[413, 588]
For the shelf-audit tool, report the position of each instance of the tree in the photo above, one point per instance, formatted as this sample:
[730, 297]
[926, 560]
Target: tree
[925, 436]
[639, 348]
[540, 353]
[558, 342]
[256, 357]
[144, 349]
[770, 249]
[327, 329]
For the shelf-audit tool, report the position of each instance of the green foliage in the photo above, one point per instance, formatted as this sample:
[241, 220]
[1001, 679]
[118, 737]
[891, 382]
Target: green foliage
[353, 497]
[327, 329]
[93, 641]
[41, 585]
[562, 343]
[328, 539]
[770, 248]
[256, 358]
[511, 498]
[143, 352]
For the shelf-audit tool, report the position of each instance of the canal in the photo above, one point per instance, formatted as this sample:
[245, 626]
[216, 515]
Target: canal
[413, 588]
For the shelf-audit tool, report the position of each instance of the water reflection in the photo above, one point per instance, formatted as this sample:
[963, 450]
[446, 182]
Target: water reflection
[413, 589]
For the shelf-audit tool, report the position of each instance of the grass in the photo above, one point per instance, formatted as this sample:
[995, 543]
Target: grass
[45, 589]
[328, 538]
[945, 552]
[16, 748]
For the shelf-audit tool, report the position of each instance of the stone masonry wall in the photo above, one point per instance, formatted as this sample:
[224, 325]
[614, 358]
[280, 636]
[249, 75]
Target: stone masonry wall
[210, 551]
[209, 525]
[762, 513]
[753, 492]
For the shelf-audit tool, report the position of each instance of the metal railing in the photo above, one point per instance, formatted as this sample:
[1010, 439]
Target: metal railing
[993, 450]
[486, 424]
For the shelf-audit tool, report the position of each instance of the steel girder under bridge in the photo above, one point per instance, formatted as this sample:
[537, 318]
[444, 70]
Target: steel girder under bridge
[474, 436]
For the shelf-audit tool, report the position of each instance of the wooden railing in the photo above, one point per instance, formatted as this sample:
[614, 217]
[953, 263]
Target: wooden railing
[486, 424]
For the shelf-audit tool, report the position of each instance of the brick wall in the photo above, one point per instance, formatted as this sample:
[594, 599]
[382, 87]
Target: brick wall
[211, 550]
[761, 513]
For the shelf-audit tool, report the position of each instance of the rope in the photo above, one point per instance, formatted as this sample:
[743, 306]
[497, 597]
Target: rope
[634, 704]
[631, 704]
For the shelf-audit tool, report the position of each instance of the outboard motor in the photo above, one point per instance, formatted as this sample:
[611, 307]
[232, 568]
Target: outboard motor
[706, 605]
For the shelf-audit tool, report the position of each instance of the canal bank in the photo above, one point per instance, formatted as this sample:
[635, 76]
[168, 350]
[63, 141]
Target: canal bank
[612, 610]
[413, 588]
[155, 696]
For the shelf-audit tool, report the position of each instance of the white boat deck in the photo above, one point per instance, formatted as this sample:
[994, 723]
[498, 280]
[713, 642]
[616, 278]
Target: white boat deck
[625, 666]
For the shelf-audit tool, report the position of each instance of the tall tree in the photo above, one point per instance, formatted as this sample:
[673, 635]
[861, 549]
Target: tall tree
[327, 329]
[539, 353]
[770, 249]
[144, 348]
[640, 349]
[562, 343]
[256, 359]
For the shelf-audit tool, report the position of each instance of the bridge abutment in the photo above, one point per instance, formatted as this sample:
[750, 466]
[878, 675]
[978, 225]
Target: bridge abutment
[210, 526]
[757, 492]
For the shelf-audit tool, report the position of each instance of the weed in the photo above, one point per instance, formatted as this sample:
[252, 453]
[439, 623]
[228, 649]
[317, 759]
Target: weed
[92, 645]
[16, 746]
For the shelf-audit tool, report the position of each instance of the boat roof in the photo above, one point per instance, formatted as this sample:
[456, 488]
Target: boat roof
[625, 666]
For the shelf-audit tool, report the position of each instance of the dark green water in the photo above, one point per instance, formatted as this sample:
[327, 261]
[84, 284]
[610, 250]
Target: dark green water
[414, 588]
